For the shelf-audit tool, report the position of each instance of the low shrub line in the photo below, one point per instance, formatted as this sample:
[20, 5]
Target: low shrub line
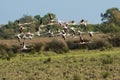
[61, 46]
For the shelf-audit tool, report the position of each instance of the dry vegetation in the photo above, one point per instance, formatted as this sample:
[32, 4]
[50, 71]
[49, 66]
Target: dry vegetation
[47, 39]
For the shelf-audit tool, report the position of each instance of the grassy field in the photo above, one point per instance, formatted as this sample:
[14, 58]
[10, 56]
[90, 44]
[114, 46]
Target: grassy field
[74, 65]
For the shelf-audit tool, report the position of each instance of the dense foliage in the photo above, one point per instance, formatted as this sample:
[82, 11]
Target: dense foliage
[111, 20]
[9, 30]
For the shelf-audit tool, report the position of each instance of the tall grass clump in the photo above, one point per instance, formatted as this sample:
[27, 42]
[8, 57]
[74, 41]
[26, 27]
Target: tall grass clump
[3, 54]
[105, 74]
[6, 52]
[106, 59]
[3, 51]
[76, 77]
[58, 46]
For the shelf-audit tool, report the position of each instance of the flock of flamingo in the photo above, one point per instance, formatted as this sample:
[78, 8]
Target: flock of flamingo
[66, 31]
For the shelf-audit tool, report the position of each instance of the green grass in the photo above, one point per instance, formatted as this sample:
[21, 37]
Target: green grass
[75, 53]
[74, 65]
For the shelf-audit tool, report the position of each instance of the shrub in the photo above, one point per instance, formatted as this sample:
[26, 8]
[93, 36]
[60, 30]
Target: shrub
[115, 40]
[4, 46]
[3, 54]
[75, 44]
[109, 28]
[15, 48]
[39, 46]
[58, 46]
[11, 53]
[100, 44]
[71, 45]
[6, 52]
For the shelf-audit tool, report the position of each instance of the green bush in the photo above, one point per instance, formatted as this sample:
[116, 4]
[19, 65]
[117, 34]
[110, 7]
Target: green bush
[109, 28]
[58, 46]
